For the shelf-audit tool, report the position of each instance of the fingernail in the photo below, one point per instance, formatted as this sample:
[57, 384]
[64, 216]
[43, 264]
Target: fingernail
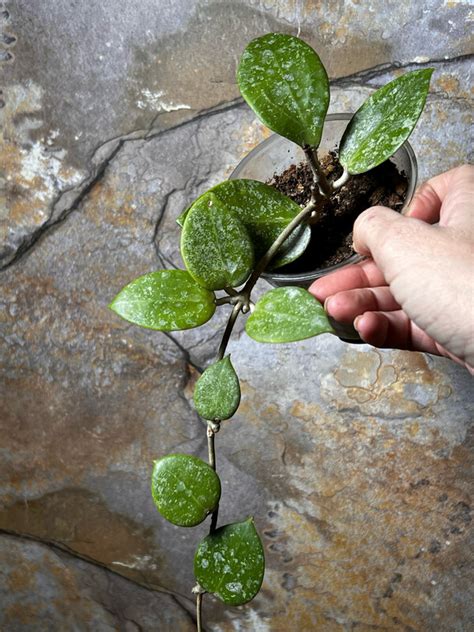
[326, 304]
[356, 322]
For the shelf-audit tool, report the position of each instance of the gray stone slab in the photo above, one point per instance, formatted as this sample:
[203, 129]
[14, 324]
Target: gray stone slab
[354, 462]
[42, 588]
[340, 453]
[77, 78]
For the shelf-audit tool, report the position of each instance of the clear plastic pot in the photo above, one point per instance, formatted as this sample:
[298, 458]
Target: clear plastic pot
[276, 154]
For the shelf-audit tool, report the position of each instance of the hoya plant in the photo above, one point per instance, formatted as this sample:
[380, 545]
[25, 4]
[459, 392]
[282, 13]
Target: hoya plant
[230, 235]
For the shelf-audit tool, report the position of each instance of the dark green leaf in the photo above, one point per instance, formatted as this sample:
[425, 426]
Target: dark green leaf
[265, 212]
[215, 245]
[230, 563]
[287, 314]
[384, 121]
[166, 300]
[185, 489]
[217, 392]
[286, 85]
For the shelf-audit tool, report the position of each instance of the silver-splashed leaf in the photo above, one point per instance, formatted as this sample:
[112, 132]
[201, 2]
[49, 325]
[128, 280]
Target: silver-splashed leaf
[215, 245]
[264, 212]
[166, 300]
[230, 563]
[217, 391]
[287, 314]
[185, 489]
[286, 85]
[384, 121]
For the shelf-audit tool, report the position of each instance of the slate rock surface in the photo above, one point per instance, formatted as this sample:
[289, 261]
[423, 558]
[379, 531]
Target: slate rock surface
[355, 463]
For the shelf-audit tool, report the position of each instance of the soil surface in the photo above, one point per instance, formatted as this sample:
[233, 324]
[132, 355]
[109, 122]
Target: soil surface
[331, 239]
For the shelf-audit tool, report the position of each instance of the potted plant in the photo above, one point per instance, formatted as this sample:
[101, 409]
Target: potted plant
[281, 162]
[230, 236]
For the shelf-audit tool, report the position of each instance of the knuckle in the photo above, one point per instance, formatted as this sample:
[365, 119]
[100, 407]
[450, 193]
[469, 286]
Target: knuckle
[370, 214]
[424, 195]
[377, 219]
[425, 190]
[367, 220]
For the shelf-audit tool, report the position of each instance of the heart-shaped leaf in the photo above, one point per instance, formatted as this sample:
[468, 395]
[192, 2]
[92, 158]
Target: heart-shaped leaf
[286, 85]
[230, 563]
[185, 489]
[264, 212]
[287, 314]
[215, 245]
[217, 392]
[384, 122]
[165, 300]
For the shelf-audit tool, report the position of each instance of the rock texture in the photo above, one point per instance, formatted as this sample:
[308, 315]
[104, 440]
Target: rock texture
[356, 463]
[45, 589]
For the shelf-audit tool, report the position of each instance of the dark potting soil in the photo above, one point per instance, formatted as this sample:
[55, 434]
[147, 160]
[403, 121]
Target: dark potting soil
[331, 237]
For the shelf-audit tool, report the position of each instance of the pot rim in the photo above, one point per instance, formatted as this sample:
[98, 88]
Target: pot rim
[307, 277]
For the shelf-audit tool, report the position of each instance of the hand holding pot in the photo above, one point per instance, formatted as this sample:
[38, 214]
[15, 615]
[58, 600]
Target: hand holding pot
[416, 291]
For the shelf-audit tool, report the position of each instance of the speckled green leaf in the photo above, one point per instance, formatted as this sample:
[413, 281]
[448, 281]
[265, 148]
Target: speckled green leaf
[185, 489]
[166, 300]
[265, 212]
[286, 85]
[215, 245]
[384, 122]
[230, 563]
[287, 314]
[217, 392]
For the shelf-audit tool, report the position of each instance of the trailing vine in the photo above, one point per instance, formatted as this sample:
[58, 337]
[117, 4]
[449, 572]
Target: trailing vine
[230, 235]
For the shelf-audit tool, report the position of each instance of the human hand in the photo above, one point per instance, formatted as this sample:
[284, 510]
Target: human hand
[416, 291]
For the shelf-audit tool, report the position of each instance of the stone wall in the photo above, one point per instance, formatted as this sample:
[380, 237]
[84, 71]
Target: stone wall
[354, 462]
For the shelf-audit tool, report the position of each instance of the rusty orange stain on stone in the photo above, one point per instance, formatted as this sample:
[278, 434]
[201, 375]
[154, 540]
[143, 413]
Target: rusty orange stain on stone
[367, 507]
[107, 203]
[22, 577]
[257, 409]
[83, 521]
[367, 380]
[450, 85]
[22, 613]
[447, 83]
[192, 375]
[249, 137]
[22, 195]
[79, 440]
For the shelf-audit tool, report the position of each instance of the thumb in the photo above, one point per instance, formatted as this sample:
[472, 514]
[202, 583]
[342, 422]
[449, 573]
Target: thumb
[393, 240]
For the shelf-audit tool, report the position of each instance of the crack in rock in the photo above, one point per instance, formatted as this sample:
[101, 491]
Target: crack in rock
[185, 352]
[363, 77]
[70, 199]
[64, 549]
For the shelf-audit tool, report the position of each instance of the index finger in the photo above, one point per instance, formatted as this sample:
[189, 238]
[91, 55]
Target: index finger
[358, 275]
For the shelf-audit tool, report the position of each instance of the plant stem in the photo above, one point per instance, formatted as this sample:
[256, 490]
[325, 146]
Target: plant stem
[243, 303]
[271, 252]
[199, 612]
[223, 300]
[230, 291]
[211, 447]
[228, 330]
[318, 175]
[211, 431]
[342, 180]
[260, 267]
[214, 517]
